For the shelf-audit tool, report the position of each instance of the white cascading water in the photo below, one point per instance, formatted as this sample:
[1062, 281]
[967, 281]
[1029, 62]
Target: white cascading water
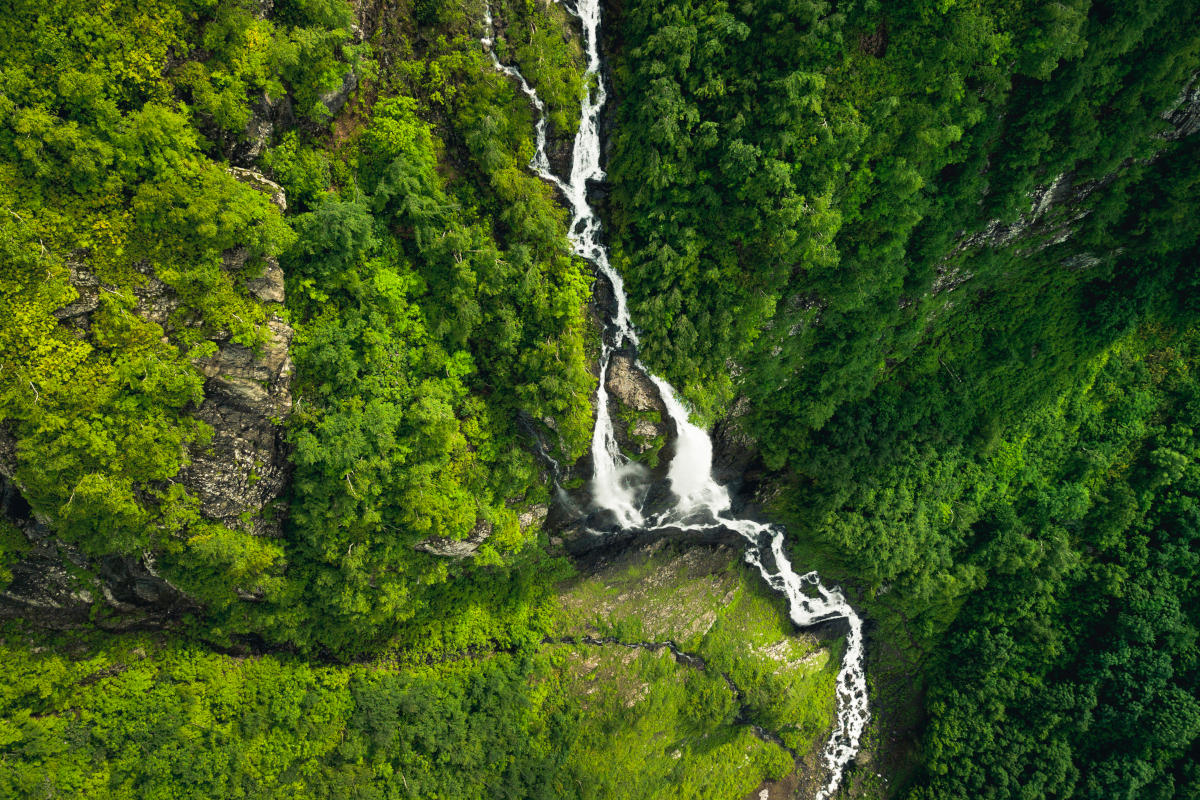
[702, 503]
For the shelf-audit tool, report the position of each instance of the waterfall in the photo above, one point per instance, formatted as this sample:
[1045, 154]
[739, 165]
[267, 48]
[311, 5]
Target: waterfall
[701, 502]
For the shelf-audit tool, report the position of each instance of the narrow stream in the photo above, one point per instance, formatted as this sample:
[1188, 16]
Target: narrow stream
[701, 503]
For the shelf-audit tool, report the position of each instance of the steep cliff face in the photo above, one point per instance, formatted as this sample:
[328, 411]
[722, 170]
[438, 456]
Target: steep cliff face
[239, 476]
[1056, 207]
[56, 585]
[244, 469]
[1185, 116]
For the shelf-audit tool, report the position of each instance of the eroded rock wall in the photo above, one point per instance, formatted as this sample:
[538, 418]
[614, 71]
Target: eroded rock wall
[240, 476]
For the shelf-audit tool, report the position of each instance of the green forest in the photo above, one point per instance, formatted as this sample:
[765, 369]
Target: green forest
[299, 371]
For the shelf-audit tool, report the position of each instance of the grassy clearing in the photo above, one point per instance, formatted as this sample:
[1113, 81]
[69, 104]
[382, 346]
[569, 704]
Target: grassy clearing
[648, 727]
[708, 602]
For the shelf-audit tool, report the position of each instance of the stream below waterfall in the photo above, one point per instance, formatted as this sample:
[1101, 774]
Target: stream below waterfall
[700, 503]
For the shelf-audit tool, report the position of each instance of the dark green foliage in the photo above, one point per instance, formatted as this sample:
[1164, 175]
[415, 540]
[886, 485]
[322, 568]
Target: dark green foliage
[789, 208]
[795, 185]
[1074, 674]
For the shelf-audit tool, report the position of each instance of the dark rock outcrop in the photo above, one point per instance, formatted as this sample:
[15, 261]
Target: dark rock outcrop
[533, 515]
[1052, 215]
[245, 467]
[736, 463]
[257, 180]
[55, 585]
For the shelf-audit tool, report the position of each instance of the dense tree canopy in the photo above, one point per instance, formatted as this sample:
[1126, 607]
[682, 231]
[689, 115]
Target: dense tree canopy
[937, 261]
[945, 252]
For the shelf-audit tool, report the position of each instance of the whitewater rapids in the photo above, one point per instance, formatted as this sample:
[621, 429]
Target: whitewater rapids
[701, 503]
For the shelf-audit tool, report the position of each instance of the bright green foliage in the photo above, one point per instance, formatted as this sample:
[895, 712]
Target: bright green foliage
[439, 323]
[109, 180]
[137, 719]
[994, 440]
[656, 729]
[897, 482]
[710, 605]
[135, 716]
[877, 384]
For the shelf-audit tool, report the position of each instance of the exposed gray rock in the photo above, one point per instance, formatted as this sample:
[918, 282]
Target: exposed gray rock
[266, 114]
[1185, 116]
[534, 515]
[446, 547]
[630, 386]
[734, 449]
[949, 277]
[1062, 191]
[258, 133]
[1081, 261]
[559, 150]
[644, 428]
[264, 184]
[335, 100]
[1056, 207]
[88, 287]
[633, 398]
[156, 301]
[245, 467]
[237, 476]
[247, 396]
[268, 287]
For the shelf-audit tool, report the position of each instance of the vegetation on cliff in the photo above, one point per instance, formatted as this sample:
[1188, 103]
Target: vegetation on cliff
[438, 313]
[943, 254]
[164, 166]
[148, 716]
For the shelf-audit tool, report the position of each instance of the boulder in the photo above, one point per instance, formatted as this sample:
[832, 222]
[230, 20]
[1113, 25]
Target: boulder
[335, 100]
[534, 515]
[639, 416]
[446, 547]
[257, 180]
[269, 286]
